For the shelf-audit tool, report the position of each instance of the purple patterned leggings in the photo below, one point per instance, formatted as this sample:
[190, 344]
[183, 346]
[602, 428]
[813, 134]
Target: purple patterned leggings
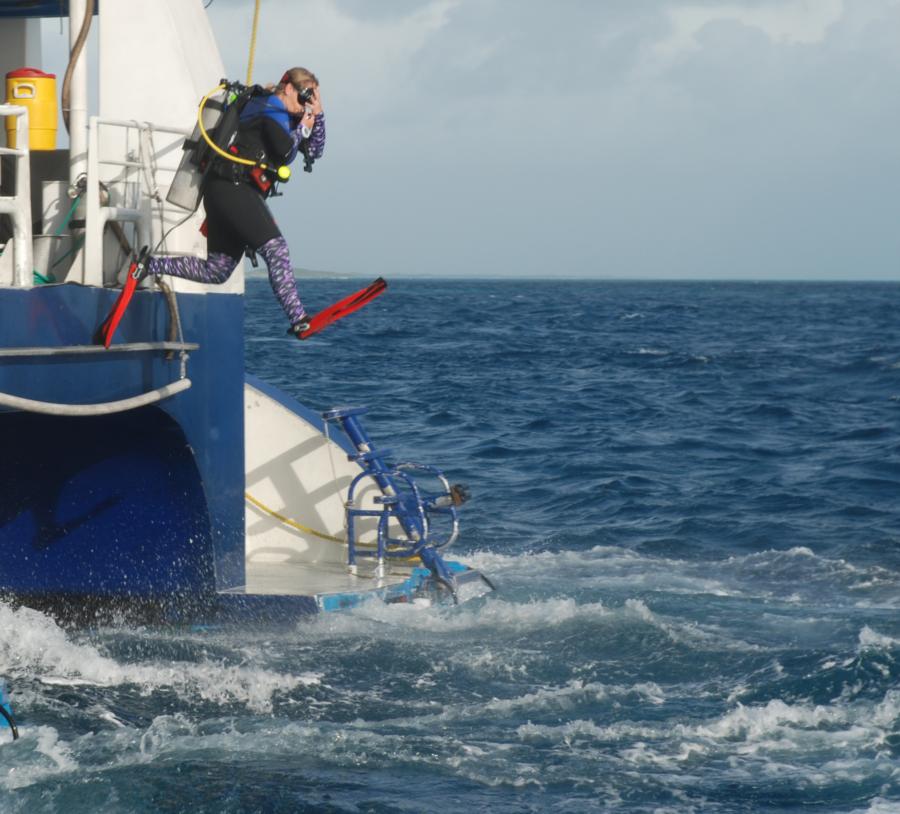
[219, 267]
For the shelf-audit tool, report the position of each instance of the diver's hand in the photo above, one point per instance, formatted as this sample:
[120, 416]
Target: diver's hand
[315, 102]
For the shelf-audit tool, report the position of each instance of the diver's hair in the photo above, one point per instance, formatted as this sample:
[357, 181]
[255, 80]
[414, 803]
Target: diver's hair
[298, 77]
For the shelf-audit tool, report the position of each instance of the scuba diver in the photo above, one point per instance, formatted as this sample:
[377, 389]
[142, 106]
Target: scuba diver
[273, 128]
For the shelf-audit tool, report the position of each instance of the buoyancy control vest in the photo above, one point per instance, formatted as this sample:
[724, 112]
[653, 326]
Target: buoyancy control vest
[263, 136]
[259, 141]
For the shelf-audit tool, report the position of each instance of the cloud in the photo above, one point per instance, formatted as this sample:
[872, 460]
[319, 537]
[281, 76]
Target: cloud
[791, 22]
[643, 137]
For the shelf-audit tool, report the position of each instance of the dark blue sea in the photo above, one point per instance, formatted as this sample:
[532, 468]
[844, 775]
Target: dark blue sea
[688, 495]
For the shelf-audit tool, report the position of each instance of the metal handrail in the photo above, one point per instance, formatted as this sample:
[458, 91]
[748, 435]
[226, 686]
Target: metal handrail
[18, 207]
[98, 215]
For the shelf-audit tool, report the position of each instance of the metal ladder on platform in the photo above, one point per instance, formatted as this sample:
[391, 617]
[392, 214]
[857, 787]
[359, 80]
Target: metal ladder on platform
[414, 509]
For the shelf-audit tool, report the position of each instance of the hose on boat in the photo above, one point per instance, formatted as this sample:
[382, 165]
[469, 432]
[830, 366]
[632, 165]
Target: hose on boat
[77, 48]
[105, 408]
[292, 523]
[306, 529]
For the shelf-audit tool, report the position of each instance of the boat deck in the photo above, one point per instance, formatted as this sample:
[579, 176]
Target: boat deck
[311, 579]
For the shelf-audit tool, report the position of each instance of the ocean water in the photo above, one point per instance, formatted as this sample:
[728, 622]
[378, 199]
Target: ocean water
[688, 495]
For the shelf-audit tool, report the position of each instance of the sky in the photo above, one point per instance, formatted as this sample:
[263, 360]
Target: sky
[744, 139]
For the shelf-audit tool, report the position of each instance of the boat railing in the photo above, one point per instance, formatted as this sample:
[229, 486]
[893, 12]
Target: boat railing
[124, 174]
[18, 206]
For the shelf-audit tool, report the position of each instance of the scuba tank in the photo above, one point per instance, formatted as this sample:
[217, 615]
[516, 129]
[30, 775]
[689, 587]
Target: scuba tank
[217, 121]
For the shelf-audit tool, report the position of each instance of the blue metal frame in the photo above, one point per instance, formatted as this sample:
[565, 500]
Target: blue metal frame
[402, 499]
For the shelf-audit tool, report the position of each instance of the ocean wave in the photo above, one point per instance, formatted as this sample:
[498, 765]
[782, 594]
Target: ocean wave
[38, 649]
[879, 805]
[574, 693]
[792, 732]
[45, 756]
[808, 571]
[496, 616]
[869, 638]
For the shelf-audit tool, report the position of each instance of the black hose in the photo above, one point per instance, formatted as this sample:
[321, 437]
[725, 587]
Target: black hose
[11, 721]
[448, 586]
[487, 582]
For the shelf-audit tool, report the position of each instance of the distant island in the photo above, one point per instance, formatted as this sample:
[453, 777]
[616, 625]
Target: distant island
[305, 274]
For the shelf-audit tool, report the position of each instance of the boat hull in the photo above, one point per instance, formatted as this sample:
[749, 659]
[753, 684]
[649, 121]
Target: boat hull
[143, 514]
[144, 504]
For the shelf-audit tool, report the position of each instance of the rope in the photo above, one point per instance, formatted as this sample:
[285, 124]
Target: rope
[253, 43]
[292, 523]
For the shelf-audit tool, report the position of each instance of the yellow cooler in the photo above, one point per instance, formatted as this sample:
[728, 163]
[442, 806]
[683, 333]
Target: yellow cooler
[35, 90]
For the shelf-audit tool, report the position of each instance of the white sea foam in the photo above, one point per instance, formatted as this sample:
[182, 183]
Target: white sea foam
[571, 694]
[880, 806]
[869, 638]
[538, 562]
[602, 567]
[495, 615]
[39, 647]
[762, 559]
[752, 723]
[590, 569]
[772, 560]
[850, 732]
[567, 733]
[692, 633]
[46, 756]
[611, 567]
[354, 745]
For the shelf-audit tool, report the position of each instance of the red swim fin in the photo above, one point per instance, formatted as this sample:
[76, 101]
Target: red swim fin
[104, 333]
[344, 307]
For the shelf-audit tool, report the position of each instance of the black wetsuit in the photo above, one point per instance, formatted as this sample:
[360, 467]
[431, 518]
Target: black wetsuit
[237, 217]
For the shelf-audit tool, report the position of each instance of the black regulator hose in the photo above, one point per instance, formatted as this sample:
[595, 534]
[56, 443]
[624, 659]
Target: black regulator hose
[11, 721]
